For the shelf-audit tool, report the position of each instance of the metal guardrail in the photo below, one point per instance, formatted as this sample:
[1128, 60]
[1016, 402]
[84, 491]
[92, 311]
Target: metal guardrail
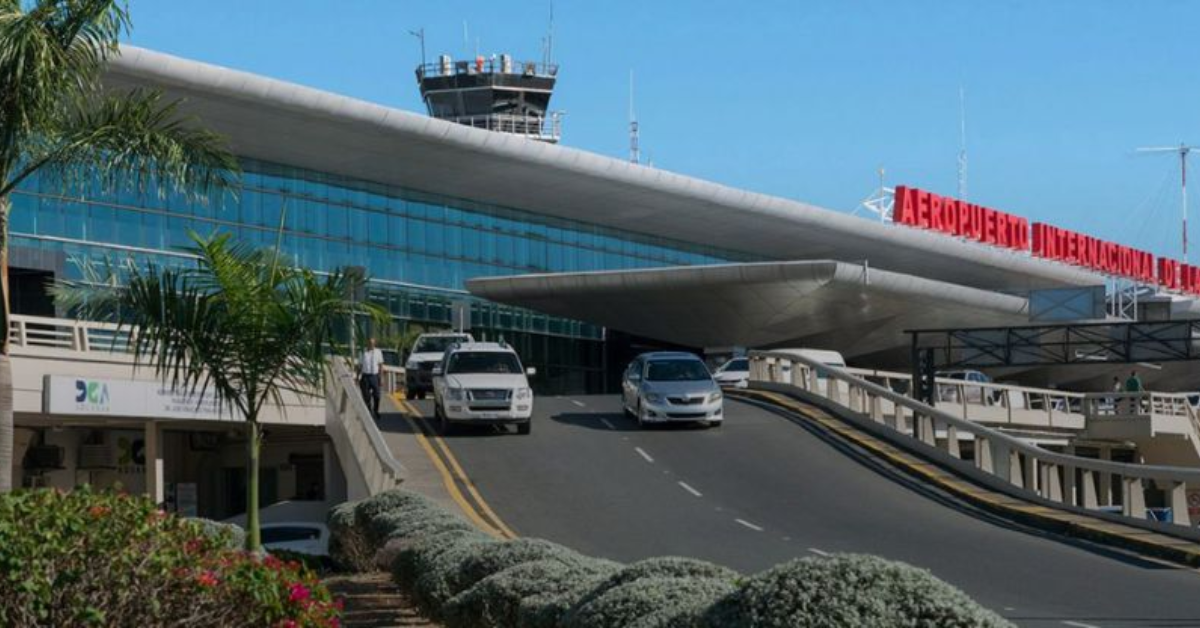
[1073, 480]
[356, 438]
[538, 127]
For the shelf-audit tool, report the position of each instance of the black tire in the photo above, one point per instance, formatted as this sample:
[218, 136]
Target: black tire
[641, 423]
[445, 426]
[525, 428]
[712, 424]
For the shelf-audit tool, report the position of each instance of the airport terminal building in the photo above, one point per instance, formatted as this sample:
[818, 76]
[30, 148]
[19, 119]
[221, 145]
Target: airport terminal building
[576, 259]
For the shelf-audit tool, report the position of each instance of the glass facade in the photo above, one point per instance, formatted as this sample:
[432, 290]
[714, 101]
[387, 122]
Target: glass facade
[419, 249]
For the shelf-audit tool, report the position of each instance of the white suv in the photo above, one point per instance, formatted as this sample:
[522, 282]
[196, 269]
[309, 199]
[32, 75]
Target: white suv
[427, 353]
[482, 383]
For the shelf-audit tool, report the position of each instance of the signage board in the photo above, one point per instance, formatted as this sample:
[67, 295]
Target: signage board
[89, 396]
[953, 217]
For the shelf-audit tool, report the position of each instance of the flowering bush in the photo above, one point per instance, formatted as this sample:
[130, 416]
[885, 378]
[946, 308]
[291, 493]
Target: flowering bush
[97, 558]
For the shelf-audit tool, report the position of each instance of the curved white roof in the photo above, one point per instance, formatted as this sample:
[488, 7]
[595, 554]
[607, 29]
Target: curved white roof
[291, 124]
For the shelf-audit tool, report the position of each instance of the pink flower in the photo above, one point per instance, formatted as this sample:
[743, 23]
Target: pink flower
[207, 579]
[289, 623]
[299, 593]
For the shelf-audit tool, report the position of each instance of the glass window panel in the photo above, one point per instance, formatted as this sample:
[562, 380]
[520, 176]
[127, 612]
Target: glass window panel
[397, 231]
[378, 232]
[23, 213]
[358, 225]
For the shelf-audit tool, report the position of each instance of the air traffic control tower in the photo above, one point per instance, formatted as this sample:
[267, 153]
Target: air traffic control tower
[497, 94]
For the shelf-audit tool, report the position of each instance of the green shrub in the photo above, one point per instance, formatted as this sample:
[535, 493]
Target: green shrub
[230, 536]
[417, 557]
[416, 523]
[388, 501]
[651, 602]
[848, 590]
[663, 567]
[495, 558]
[496, 601]
[88, 558]
[440, 558]
[348, 547]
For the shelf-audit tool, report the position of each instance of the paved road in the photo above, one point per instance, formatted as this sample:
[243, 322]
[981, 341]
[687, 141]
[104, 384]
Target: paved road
[762, 489]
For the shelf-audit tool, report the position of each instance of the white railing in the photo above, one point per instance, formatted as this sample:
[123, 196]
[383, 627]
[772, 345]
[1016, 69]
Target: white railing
[369, 465]
[993, 404]
[72, 335]
[391, 378]
[537, 127]
[1073, 480]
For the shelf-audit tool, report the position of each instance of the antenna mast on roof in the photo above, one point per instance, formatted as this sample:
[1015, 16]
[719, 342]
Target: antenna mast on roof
[1183, 150]
[420, 34]
[880, 202]
[634, 153]
[548, 52]
[962, 145]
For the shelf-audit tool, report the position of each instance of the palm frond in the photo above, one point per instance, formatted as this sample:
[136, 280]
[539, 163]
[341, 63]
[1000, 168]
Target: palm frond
[51, 57]
[233, 323]
[136, 140]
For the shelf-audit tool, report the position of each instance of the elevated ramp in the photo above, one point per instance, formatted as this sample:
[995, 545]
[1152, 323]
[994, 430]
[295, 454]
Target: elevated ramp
[992, 469]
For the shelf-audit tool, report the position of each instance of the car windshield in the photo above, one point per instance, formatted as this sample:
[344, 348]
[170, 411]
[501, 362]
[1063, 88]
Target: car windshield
[437, 344]
[736, 365]
[483, 362]
[676, 371]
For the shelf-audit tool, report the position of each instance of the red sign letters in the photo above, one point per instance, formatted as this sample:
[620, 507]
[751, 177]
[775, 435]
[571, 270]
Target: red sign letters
[918, 208]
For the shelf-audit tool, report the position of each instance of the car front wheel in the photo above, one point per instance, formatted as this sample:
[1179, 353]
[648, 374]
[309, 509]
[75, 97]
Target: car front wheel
[525, 428]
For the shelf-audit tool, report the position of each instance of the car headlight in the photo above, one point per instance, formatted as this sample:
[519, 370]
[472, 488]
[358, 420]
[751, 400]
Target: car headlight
[412, 365]
[524, 393]
[456, 394]
[714, 397]
[653, 397]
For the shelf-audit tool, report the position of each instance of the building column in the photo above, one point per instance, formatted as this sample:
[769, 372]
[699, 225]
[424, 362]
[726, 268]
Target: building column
[1105, 492]
[156, 488]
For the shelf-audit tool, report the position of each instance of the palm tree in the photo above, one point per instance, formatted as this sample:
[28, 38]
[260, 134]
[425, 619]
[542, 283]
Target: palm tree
[55, 118]
[237, 324]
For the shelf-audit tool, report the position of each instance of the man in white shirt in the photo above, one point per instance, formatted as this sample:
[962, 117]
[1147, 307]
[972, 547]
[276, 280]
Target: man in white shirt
[368, 369]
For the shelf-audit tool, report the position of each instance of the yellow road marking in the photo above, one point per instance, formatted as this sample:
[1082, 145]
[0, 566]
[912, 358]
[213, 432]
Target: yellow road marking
[411, 414]
[462, 475]
[448, 481]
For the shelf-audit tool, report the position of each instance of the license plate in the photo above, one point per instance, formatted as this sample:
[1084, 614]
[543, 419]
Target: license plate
[489, 415]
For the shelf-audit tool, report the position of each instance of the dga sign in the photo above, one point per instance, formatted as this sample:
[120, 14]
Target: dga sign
[67, 395]
[925, 210]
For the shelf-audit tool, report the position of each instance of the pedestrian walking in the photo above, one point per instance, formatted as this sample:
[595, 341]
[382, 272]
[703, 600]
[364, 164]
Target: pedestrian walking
[369, 366]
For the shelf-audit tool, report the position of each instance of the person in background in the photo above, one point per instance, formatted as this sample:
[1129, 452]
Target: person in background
[1116, 385]
[368, 371]
[1134, 383]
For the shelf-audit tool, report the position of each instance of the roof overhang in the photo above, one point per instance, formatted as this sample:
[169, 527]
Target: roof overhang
[826, 304]
[286, 123]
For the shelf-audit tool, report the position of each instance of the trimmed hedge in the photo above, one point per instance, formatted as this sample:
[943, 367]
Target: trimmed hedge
[651, 602]
[518, 595]
[471, 580]
[848, 590]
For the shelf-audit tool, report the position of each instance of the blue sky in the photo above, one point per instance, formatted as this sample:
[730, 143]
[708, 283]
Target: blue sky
[800, 99]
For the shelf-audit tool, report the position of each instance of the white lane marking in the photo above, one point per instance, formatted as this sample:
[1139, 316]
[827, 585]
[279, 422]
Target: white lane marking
[608, 424]
[749, 525]
[579, 403]
[1079, 624]
[645, 455]
[689, 489]
[818, 552]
